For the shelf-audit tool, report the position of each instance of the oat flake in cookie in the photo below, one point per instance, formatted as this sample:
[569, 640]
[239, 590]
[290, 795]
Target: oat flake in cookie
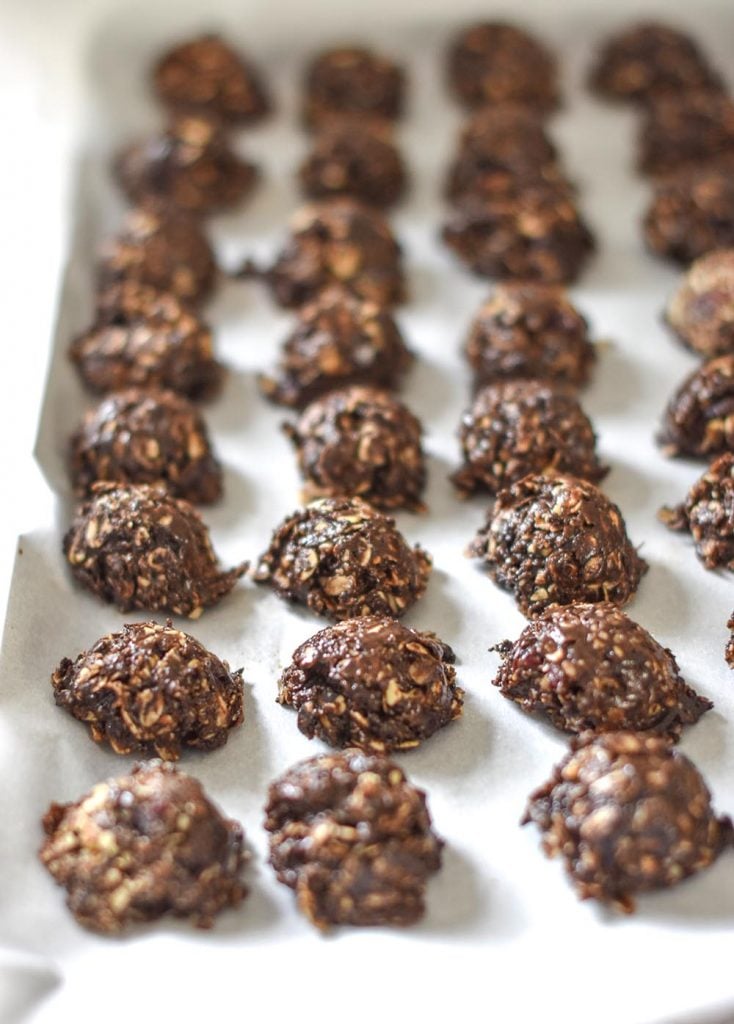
[361, 442]
[146, 436]
[142, 846]
[348, 160]
[151, 689]
[699, 419]
[555, 540]
[708, 514]
[629, 814]
[516, 427]
[691, 213]
[353, 838]
[372, 683]
[701, 311]
[588, 667]
[353, 81]
[342, 558]
[136, 546]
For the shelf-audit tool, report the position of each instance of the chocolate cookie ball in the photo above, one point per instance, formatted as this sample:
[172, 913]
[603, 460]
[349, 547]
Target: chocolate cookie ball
[136, 546]
[150, 339]
[146, 437]
[346, 160]
[629, 814]
[341, 558]
[708, 514]
[530, 330]
[729, 653]
[151, 688]
[206, 76]
[516, 427]
[372, 683]
[163, 249]
[534, 233]
[353, 838]
[338, 340]
[141, 846]
[681, 130]
[495, 62]
[190, 165]
[555, 540]
[354, 81]
[692, 213]
[590, 667]
[364, 443]
[699, 420]
[648, 59]
[338, 242]
[701, 312]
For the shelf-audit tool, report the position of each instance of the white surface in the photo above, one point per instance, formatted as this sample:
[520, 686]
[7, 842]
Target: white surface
[504, 936]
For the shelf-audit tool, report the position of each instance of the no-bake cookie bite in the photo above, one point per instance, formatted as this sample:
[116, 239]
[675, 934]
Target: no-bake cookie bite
[190, 165]
[516, 427]
[347, 160]
[589, 667]
[729, 651]
[629, 814]
[353, 838]
[142, 846]
[530, 330]
[699, 419]
[146, 338]
[141, 436]
[682, 130]
[151, 689]
[137, 546]
[361, 442]
[691, 213]
[353, 81]
[708, 514]
[338, 339]
[701, 311]
[372, 683]
[342, 558]
[555, 540]
[207, 76]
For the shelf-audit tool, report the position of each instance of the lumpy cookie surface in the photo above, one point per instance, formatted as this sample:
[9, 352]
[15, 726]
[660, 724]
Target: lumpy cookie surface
[701, 310]
[708, 514]
[353, 81]
[699, 419]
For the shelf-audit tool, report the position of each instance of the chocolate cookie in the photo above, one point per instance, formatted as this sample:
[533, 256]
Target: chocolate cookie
[699, 419]
[347, 160]
[629, 814]
[683, 130]
[729, 652]
[708, 514]
[353, 838]
[136, 546]
[353, 81]
[701, 312]
[141, 846]
[590, 667]
[691, 213]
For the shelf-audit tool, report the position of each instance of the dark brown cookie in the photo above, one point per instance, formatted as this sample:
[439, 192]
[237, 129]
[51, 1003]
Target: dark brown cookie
[699, 419]
[496, 62]
[353, 838]
[683, 130]
[556, 540]
[146, 437]
[164, 249]
[347, 160]
[144, 845]
[708, 514]
[151, 689]
[372, 683]
[701, 312]
[530, 330]
[145, 338]
[588, 667]
[338, 340]
[354, 81]
[647, 59]
[729, 652]
[532, 233]
[691, 213]
[361, 442]
[516, 427]
[136, 546]
[190, 165]
[342, 558]
[206, 76]
[629, 814]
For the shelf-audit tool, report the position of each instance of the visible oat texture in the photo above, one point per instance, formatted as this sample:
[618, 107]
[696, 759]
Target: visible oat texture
[353, 838]
[142, 846]
[353, 81]
[151, 689]
[701, 311]
[682, 130]
[691, 213]
[555, 540]
[708, 514]
[372, 683]
[137, 546]
[629, 814]
[342, 558]
[589, 667]
[699, 419]
[347, 160]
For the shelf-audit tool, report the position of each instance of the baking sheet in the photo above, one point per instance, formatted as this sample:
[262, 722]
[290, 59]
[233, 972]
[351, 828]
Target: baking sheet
[504, 934]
